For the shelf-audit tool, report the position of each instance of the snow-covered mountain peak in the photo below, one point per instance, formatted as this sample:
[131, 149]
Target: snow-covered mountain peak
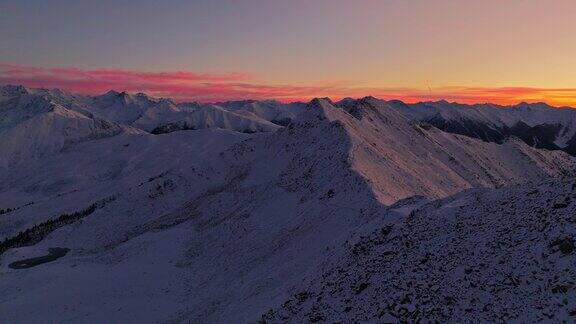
[400, 156]
[370, 99]
[12, 90]
[113, 97]
[320, 109]
[345, 101]
[372, 108]
[120, 106]
[537, 106]
[320, 102]
[23, 106]
[189, 105]
[537, 124]
[28, 135]
[114, 94]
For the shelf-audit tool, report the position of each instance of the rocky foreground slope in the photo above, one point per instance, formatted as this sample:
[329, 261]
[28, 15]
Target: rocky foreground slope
[499, 255]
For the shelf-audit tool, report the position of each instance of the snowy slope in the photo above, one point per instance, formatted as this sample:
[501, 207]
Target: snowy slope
[222, 225]
[163, 115]
[147, 113]
[538, 124]
[205, 116]
[402, 158]
[501, 255]
[33, 126]
[122, 107]
[84, 173]
[269, 110]
[233, 243]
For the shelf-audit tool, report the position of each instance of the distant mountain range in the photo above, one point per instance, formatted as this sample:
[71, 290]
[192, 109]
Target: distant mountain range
[245, 211]
[538, 125]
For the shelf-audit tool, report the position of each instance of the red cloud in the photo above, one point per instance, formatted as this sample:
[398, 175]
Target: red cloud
[189, 86]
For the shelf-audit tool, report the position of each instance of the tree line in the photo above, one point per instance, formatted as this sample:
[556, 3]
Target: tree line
[38, 232]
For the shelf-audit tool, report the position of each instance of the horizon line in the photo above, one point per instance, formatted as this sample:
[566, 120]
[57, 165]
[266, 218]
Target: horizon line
[303, 101]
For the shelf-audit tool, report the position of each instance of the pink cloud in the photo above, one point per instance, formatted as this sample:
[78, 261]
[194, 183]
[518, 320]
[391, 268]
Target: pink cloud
[189, 86]
[95, 81]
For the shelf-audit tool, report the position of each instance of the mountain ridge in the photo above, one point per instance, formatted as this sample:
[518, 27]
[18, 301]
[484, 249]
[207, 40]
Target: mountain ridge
[221, 224]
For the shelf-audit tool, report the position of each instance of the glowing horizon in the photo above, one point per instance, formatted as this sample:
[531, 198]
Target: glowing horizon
[189, 86]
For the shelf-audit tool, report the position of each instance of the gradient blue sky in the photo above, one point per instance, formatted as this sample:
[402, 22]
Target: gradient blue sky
[319, 47]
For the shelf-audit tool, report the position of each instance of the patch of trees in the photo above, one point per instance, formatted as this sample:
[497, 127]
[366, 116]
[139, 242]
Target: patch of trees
[37, 233]
[9, 210]
[6, 211]
[172, 127]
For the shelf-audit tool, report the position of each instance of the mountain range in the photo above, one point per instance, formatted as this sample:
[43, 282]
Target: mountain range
[246, 211]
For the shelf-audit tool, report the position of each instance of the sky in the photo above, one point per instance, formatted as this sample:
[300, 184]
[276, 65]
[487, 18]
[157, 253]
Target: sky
[210, 50]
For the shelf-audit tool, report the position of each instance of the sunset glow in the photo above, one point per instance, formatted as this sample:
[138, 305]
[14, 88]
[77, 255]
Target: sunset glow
[466, 51]
[189, 86]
